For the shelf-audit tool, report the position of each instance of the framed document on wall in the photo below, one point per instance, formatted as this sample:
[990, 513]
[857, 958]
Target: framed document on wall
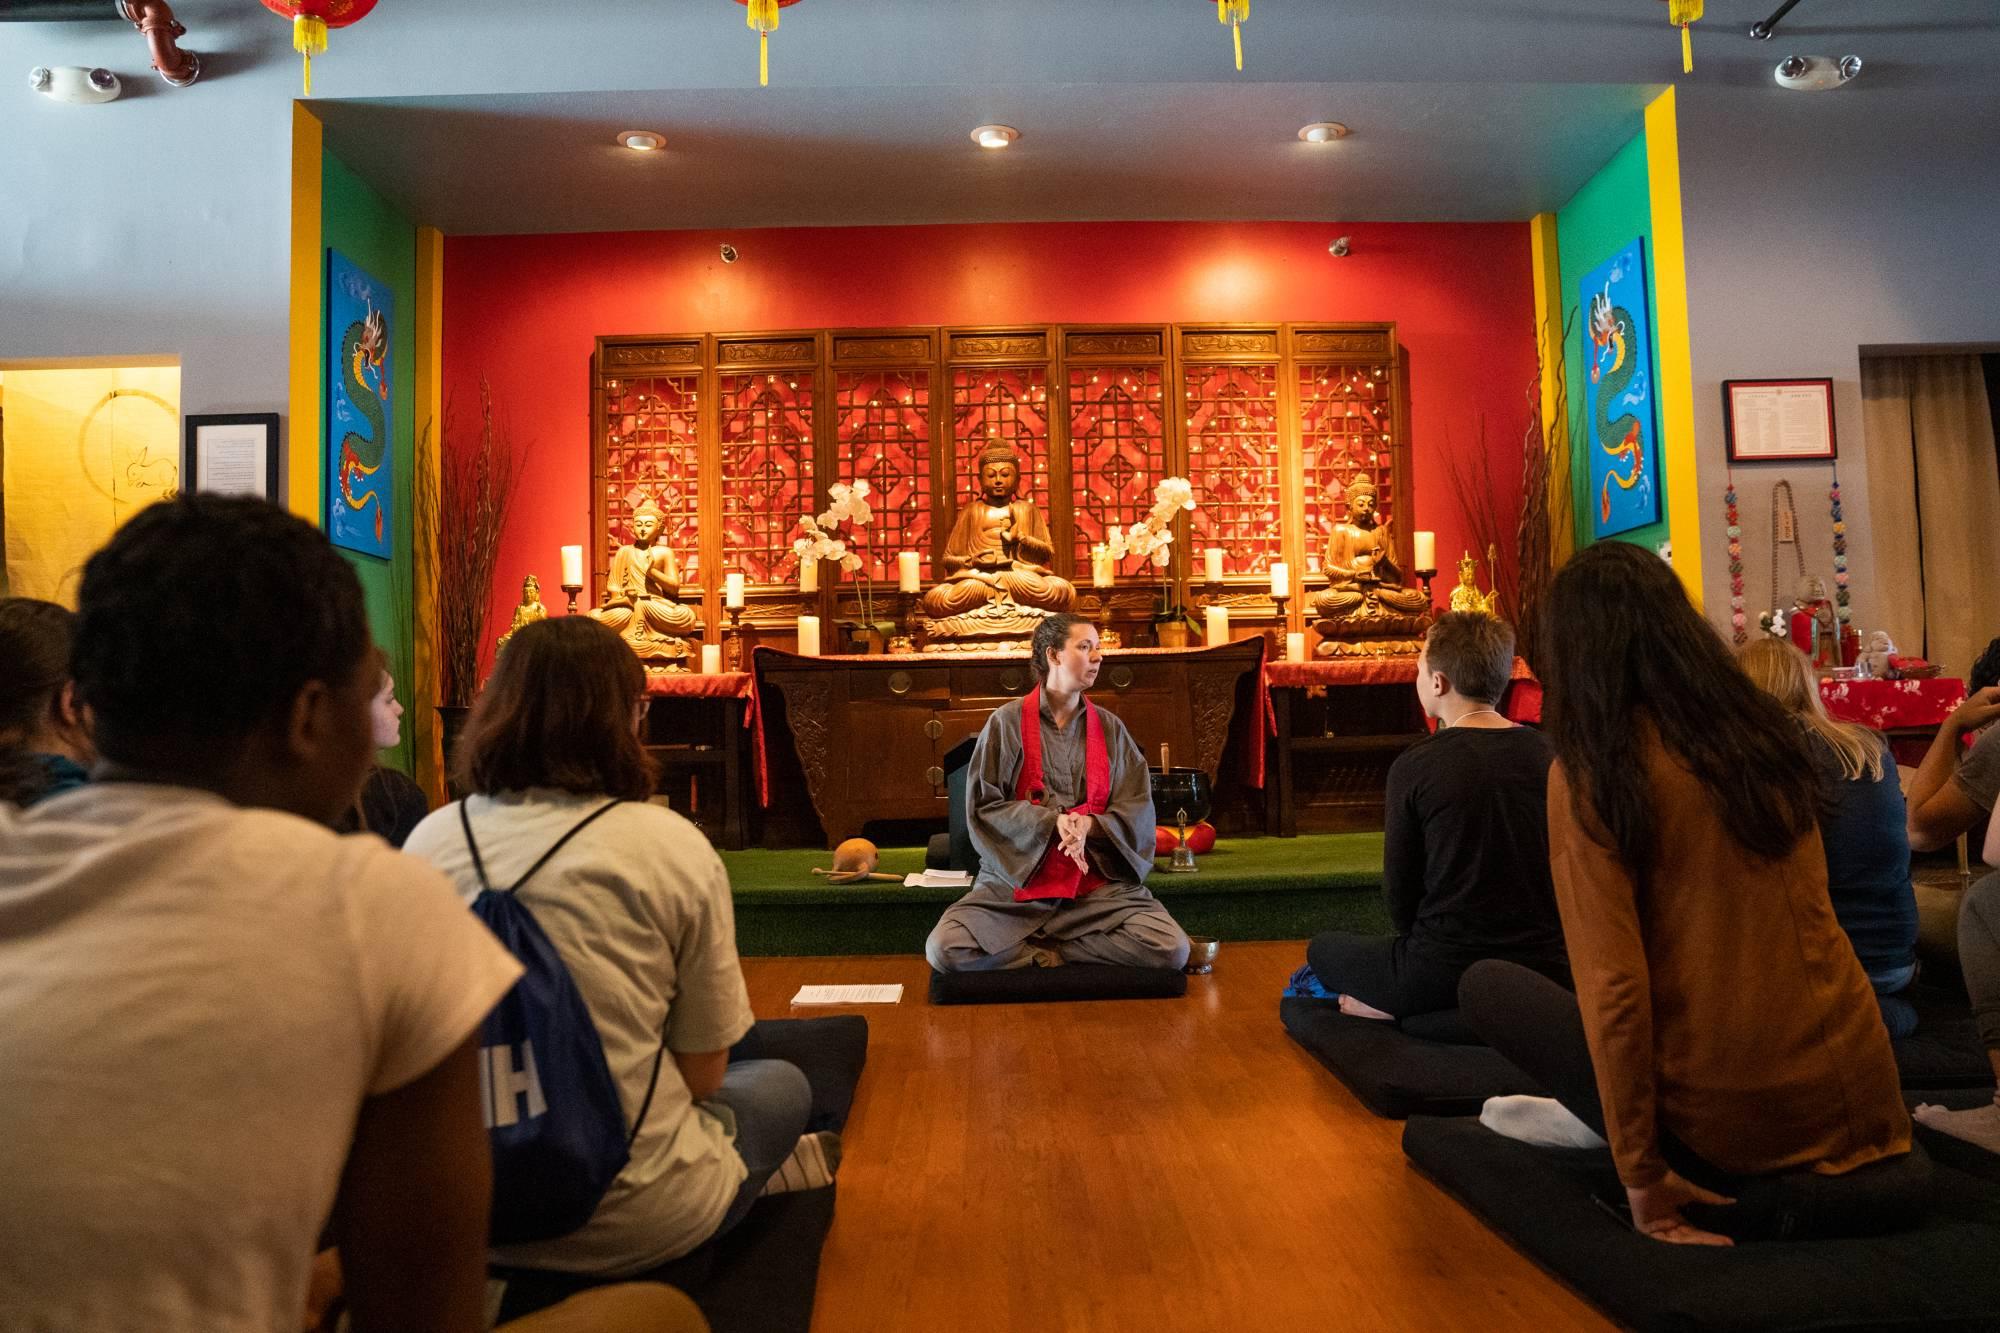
[232, 453]
[1778, 421]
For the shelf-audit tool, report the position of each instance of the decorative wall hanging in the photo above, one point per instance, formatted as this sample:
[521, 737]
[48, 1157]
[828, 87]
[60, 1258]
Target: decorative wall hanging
[1235, 13]
[761, 16]
[231, 453]
[1619, 354]
[310, 20]
[1769, 421]
[359, 476]
[1738, 630]
[1682, 13]
[1840, 593]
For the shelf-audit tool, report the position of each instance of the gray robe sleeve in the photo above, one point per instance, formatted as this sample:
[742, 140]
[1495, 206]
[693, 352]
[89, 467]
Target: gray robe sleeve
[1122, 844]
[1009, 835]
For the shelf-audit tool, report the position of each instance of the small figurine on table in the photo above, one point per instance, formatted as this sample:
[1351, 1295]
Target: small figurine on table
[528, 612]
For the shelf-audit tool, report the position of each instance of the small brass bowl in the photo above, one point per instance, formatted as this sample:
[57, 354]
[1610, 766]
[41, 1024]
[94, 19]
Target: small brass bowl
[1201, 955]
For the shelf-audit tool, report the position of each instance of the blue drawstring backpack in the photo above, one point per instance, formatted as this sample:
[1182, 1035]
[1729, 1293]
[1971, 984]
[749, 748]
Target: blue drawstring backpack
[552, 1115]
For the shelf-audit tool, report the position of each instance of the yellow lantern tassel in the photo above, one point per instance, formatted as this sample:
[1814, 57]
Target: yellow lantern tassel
[1235, 13]
[308, 39]
[762, 18]
[1682, 13]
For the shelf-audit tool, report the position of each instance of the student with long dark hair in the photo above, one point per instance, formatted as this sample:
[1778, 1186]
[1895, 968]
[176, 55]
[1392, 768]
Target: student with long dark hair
[637, 906]
[45, 745]
[1722, 1036]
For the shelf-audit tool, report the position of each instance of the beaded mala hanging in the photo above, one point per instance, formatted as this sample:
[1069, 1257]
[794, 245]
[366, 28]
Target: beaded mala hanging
[1840, 593]
[1785, 532]
[1737, 631]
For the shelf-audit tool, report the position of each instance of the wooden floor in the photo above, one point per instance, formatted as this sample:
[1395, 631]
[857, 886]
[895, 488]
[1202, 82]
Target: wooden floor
[1144, 1165]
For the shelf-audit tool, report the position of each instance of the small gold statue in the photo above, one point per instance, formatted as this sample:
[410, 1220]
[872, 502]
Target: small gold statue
[528, 612]
[997, 584]
[1466, 596]
[640, 591]
[1366, 610]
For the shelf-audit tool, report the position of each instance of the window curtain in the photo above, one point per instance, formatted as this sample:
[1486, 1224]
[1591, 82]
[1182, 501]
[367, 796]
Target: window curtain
[1934, 489]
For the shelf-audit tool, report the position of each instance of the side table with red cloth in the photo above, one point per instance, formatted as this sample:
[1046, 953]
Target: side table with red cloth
[1908, 712]
[1283, 681]
[735, 694]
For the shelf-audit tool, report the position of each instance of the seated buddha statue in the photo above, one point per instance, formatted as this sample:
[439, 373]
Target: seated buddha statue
[997, 582]
[1366, 608]
[640, 592]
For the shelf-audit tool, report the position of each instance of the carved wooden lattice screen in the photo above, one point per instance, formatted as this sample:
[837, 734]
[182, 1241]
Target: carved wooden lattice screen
[1119, 440]
[1000, 393]
[1348, 427]
[882, 435]
[765, 427]
[1231, 416]
[653, 452]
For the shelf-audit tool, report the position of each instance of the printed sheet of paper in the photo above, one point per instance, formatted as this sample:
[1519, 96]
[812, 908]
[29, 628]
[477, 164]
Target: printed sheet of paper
[849, 994]
[937, 879]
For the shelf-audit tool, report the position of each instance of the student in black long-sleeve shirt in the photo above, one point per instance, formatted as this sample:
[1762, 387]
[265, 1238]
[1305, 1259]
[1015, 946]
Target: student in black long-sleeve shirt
[1465, 858]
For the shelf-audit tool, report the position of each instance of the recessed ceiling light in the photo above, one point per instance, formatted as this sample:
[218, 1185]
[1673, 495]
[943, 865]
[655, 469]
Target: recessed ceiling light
[642, 141]
[995, 136]
[1323, 131]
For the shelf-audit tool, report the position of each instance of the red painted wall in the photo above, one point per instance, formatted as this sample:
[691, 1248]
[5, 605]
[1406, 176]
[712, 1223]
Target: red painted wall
[523, 311]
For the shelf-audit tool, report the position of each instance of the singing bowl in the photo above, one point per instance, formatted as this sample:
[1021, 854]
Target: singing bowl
[1201, 954]
[1180, 796]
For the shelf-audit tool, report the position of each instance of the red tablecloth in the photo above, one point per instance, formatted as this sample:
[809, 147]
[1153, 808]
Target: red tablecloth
[1887, 704]
[690, 685]
[1522, 702]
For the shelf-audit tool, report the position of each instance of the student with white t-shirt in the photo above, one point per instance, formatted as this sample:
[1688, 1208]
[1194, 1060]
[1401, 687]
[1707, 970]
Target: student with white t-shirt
[221, 1024]
[637, 906]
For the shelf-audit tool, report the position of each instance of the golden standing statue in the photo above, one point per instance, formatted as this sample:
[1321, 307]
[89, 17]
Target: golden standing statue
[528, 612]
[1366, 608]
[640, 594]
[1466, 596]
[997, 584]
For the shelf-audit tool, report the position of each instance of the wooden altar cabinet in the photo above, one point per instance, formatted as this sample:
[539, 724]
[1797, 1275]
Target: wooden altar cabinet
[871, 731]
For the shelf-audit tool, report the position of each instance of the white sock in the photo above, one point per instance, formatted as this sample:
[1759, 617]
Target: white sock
[1542, 1121]
[1980, 1125]
[814, 1160]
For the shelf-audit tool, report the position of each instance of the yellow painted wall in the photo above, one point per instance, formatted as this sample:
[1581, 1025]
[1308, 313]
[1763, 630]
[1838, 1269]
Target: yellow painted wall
[85, 450]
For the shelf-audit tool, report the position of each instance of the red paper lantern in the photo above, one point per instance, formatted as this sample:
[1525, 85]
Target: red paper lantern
[310, 20]
[762, 18]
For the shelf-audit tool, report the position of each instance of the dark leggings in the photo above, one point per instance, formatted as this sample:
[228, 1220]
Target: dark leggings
[1393, 973]
[1537, 1025]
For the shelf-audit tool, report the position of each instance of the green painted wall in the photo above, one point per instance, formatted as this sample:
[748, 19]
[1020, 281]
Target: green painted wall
[1612, 207]
[362, 225]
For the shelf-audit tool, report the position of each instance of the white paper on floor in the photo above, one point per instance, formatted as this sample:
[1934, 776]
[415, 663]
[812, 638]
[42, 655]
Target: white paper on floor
[849, 994]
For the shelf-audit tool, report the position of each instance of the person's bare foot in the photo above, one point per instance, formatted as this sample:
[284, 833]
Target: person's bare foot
[1980, 1125]
[1354, 1008]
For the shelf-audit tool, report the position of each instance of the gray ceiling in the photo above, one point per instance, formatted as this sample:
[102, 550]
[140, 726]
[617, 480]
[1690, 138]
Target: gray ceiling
[498, 115]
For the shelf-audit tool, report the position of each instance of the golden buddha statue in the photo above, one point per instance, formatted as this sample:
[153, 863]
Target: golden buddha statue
[1366, 608]
[528, 612]
[997, 584]
[640, 592]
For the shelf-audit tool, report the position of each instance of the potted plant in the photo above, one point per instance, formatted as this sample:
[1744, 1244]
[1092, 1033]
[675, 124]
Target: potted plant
[1152, 538]
[461, 511]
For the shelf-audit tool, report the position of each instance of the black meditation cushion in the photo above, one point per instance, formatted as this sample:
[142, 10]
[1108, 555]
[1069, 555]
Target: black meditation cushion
[762, 1276]
[1396, 1072]
[1945, 1050]
[1941, 1274]
[1072, 981]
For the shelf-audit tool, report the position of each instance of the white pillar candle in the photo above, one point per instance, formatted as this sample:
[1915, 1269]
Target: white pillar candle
[1427, 550]
[732, 592]
[1281, 579]
[572, 563]
[909, 574]
[809, 636]
[809, 576]
[1216, 623]
[711, 659]
[1211, 563]
[1295, 647]
[1100, 566]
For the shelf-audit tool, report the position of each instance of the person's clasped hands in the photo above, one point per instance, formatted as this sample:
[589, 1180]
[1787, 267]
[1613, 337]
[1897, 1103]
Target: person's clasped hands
[1072, 829]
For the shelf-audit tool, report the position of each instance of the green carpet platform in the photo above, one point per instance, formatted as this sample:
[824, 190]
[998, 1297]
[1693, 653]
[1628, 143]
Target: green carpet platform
[1249, 888]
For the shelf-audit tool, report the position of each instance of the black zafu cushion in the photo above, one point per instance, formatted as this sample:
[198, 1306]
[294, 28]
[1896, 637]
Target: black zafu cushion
[1944, 1052]
[1396, 1073]
[1072, 981]
[1941, 1274]
[830, 1051]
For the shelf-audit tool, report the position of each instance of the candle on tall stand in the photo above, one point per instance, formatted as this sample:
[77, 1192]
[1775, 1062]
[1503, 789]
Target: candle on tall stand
[572, 574]
[1101, 577]
[909, 581]
[732, 602]
[1427, 560]
[1281, 592]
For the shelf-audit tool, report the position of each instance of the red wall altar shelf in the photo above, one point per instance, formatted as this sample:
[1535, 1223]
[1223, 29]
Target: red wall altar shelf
[524, 311]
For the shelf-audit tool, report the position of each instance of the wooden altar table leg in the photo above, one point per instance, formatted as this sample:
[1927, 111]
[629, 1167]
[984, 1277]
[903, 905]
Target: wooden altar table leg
[1281, 820]
[734, 801]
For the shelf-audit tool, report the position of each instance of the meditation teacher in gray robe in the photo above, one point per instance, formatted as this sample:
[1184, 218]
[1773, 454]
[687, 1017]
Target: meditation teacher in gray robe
[1061, 878]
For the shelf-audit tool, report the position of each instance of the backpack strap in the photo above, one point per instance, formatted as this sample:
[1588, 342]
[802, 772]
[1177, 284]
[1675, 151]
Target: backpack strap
[479, 866]
[479, 869]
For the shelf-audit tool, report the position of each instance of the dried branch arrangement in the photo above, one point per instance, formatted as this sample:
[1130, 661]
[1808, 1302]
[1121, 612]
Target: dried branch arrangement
[463, 516]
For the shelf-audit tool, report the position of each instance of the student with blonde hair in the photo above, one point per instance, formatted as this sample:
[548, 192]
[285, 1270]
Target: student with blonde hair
[1863, 823]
